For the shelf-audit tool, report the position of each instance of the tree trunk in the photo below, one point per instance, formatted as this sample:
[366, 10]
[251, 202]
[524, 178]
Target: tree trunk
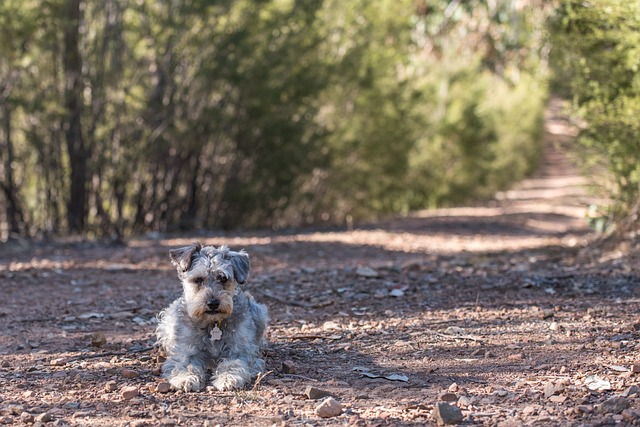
[76, 205]
[13, 211]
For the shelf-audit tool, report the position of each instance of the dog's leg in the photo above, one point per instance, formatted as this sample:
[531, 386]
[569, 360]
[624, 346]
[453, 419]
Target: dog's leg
[232, 374]
[185, 372]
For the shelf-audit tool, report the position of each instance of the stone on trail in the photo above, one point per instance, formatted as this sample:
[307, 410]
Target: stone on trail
[316, 393]
[614, 405]
[366, 272]
[129, 393]
[328, 408]
[447, 414]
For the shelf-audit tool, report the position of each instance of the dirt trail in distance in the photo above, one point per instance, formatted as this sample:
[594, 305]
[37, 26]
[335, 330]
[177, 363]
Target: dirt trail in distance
[484, 307]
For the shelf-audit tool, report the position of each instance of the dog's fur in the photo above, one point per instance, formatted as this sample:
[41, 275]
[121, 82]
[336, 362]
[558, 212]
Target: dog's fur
[214, 324]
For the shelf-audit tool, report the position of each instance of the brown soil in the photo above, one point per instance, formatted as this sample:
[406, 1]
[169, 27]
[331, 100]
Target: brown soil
[496, 309]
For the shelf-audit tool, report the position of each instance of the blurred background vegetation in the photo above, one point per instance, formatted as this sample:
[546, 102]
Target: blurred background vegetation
[120, 117]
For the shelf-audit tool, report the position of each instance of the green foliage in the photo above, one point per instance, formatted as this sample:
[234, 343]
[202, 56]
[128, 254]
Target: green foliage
[274, 113]
[598, 49]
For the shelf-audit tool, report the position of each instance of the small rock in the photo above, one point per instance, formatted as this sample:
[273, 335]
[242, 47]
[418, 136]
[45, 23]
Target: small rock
[288, 367]
[330, 325]
[6, 420]
[453, 387]
[546, 314]
[557, 399]
[129, 373]
[614, 405]
[60, 361]
[630, 415]
[26, 418]
[316, 393]
[517, 356]
[29, 393]
[366, 272]
[45, 417]
[501, 393]
[457, 330]
[529, 410]
[551, 389]
[129, 392]
[111, 386]
[163, 387]
[464, 401]
[448, 397]
[447, 414]
[635, 368]
[98, 339]
[328, 408]
[478, 352]
[630, 391]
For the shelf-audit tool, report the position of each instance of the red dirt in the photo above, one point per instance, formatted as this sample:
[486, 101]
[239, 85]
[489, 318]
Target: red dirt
[495, 308]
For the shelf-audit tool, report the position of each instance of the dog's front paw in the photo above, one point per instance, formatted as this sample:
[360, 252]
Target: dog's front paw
[227, 382]
[187, 381]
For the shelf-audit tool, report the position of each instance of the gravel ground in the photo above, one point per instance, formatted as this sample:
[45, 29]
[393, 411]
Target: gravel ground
[497, 314]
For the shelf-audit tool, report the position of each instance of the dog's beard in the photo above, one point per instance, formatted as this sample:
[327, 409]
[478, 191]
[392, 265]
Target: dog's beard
[202, 315]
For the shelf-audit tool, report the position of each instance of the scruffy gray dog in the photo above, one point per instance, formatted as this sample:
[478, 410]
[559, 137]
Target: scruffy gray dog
[214, 324]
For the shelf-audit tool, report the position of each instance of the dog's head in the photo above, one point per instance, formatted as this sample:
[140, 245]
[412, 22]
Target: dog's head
[209, 277]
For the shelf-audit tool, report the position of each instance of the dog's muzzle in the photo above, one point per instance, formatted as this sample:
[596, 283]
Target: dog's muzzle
[213, 305]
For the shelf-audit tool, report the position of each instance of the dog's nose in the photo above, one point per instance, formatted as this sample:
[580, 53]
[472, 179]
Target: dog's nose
[213, 304]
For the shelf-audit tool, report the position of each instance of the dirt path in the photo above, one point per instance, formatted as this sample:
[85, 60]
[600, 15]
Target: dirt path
[486, 308]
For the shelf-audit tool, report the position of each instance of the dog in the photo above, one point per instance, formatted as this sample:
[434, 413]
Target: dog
[214, 324]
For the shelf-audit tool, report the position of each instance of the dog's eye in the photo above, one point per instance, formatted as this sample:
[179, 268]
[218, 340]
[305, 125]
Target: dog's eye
[222, 278]
[199, 281]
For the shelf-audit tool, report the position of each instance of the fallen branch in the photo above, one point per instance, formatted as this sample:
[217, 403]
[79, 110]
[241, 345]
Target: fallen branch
[293, 303]
[304, 337]
[108, 354]
[460, 337]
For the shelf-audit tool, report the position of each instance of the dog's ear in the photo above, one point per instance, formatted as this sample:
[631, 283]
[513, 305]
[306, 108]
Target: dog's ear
[182, 257]
[240, 265]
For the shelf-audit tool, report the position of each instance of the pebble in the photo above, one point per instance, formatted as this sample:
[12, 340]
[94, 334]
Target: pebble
[464, 401]
[551, 389]
[111, 386]
[288, 367]
[630, 391]
[635, 368]
[60, 361]
[129, 373]
[614, 405]
[163, 387]
[45, 417]
[26, 418]
[129, 392]
[584, 409]
[630, 415]
[557, 399]
[366, 272]
[448, 397]
[314, 393]
[328, 408]
[447, 414]
[98, 339]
